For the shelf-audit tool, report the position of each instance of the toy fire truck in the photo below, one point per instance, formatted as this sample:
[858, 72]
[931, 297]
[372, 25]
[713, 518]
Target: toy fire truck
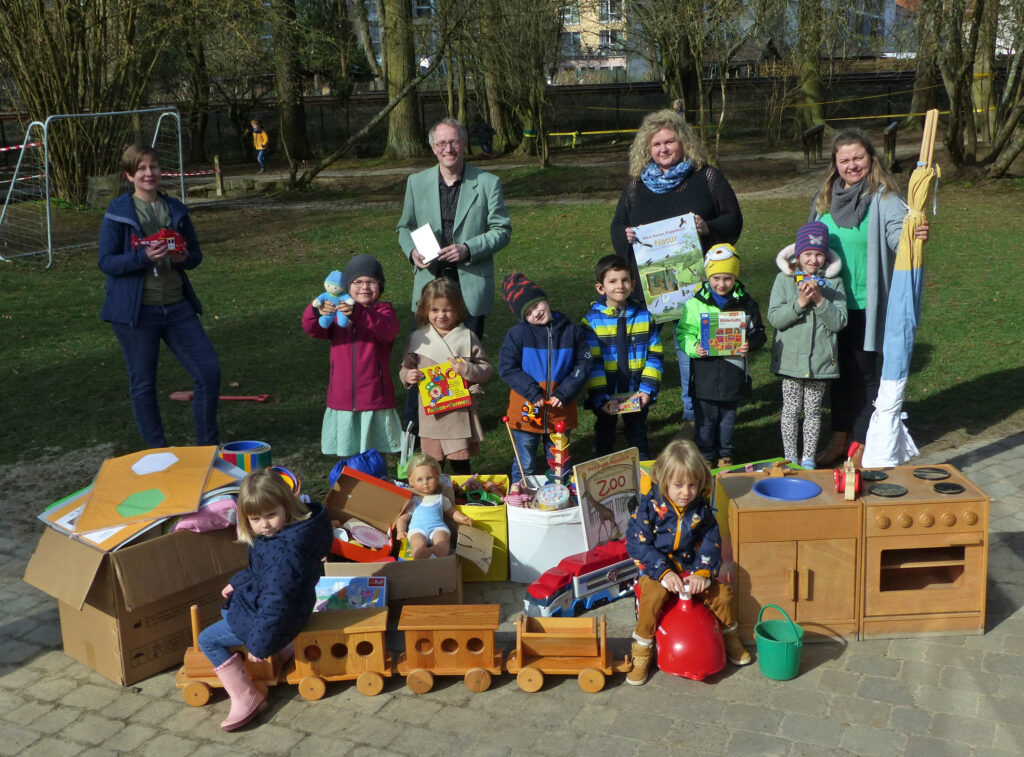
[583, 581]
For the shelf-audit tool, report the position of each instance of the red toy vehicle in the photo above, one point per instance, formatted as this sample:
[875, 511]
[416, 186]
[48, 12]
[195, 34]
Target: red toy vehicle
[175, 241]
[583, 581]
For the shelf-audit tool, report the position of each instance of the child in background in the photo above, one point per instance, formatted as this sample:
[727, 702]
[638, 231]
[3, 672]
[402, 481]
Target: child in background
[626, 352]
[260, 143]
[360, 411]
[807, 316]
[452, 435]
[673, 537]
[423, 519]
[544, 359]
[718, 384]
[269, 602]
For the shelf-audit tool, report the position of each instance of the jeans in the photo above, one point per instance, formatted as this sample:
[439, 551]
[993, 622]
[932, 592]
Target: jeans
[178, 326]
[526, 447]
[684, 380]
[634, 426]
[261, 158]
[216, 641]
[853, 393]
[715, 422]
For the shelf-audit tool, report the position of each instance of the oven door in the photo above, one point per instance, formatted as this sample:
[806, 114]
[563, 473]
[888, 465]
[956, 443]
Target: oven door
[936, 573]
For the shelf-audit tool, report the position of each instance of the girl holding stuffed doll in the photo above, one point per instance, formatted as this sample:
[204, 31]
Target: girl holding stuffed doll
[360, 411]
[149, 298]
[270, 601]
[446, 434]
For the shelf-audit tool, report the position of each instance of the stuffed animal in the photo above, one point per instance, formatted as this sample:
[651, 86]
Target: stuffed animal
[335, 295]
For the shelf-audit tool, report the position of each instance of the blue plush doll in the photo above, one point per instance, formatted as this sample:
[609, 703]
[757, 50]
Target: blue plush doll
[335, 295]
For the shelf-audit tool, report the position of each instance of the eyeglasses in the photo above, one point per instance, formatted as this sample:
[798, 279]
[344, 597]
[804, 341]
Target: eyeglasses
[444, 145]
[365, 283]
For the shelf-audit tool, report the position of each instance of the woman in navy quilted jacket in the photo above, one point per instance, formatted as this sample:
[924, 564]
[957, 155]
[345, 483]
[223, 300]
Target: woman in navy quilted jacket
[269, 602]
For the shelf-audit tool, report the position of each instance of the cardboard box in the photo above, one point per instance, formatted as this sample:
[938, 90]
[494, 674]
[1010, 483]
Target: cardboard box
[375, 502]
[125, 614]
[434, 581]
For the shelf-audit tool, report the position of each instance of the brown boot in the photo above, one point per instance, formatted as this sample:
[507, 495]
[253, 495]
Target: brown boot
[834, 452]
[641, 656]
[734, 649]
[725, 462]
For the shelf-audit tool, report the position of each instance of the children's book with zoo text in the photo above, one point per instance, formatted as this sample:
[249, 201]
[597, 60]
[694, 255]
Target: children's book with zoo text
[723, 333]
[608, 489]
[442, 389]
[670, 260]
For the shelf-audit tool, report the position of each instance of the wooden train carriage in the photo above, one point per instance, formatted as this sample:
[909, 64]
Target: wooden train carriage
[196, 678]
[563, 646]
[342, 645]
[449, 640]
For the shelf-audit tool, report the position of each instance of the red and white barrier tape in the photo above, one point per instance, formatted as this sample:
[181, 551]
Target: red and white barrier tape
[193, 173]
[12, 148]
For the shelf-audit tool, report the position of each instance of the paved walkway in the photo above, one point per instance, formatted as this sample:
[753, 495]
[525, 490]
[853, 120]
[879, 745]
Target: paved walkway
[957, 696]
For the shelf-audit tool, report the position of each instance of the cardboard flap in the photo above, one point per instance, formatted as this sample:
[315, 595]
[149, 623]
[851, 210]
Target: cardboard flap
[358, 495]
[162, 567]
[63, 568]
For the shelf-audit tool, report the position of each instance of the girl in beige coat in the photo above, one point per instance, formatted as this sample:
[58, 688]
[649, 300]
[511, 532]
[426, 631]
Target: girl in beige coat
[446, 434]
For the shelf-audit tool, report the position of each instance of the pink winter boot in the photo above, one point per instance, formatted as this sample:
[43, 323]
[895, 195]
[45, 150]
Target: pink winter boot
[246, 700]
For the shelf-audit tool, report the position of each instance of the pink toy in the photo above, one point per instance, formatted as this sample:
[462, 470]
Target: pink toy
[689, 639]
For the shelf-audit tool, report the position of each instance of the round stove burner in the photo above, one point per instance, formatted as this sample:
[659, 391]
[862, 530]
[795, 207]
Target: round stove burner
[874, 475]
[888, 490]
[948, 488]
[931, 474]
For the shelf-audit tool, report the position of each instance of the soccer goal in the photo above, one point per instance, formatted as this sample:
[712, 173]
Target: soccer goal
[46, 180]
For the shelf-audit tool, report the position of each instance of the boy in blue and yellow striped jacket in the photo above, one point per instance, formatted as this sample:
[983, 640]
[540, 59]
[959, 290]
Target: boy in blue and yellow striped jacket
[617, 325]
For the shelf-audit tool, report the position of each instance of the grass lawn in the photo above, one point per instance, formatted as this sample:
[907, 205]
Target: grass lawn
[64, 385]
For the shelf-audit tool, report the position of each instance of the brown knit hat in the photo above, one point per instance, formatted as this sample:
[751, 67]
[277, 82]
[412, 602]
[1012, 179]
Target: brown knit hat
[520, 293]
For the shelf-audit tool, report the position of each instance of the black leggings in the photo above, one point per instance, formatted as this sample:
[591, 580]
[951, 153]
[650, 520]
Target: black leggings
[853, 393]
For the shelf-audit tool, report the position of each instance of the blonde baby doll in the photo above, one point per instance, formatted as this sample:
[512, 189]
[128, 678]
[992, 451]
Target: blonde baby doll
[423, 520]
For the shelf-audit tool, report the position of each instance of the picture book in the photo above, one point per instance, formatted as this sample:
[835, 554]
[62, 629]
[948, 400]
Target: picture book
[628, 402]
[608, 489]
[723, 333]
[350, 593]
[670, 260]
[442, 389]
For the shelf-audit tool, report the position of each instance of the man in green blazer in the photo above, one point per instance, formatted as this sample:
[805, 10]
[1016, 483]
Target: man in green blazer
[466, 211]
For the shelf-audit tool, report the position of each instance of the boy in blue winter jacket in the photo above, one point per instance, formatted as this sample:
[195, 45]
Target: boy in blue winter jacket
[718, 383]
[544, 360]
[626, 351]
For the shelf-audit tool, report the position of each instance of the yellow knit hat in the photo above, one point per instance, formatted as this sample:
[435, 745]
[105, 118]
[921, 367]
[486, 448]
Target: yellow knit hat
[722, 258]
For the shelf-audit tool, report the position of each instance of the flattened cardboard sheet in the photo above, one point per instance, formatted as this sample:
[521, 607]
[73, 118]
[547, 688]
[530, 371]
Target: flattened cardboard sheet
[145, 485]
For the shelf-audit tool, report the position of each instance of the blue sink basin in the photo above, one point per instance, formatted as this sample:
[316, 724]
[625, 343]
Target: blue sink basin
[787, 489]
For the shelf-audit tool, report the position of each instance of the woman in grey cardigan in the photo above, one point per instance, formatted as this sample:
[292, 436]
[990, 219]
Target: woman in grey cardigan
[863, 210]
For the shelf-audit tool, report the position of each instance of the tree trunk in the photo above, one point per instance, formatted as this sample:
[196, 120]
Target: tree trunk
[982, 89]
[925, 95]
[291, 111]
[405, 133]
[809, 63]
[1007, 155]
[361, 25]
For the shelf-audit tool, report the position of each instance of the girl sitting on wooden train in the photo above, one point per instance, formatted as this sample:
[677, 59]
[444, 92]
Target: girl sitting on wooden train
[269, 602]
[673, 532]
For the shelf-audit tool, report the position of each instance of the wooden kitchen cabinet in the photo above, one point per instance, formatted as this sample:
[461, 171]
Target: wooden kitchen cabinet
[800, 556]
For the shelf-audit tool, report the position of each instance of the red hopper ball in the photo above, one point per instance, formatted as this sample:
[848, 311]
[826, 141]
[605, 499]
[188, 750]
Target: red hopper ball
[560, 427]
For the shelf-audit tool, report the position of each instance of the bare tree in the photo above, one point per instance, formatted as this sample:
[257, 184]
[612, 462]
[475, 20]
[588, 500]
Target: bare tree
[660, 32]
[77, 56]
[405, 133]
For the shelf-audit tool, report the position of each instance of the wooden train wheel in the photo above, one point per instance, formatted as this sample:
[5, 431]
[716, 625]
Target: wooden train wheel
[477, 680]
[312, 688]
[420, 681]
[370, 684]
[196, 694]
[530, 680]
[591, 680]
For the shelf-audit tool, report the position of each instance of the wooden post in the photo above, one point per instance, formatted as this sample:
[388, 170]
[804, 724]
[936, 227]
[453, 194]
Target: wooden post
[218, 178]
[194, 614]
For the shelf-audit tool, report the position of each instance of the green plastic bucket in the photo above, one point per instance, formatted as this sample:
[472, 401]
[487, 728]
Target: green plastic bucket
[778, 645]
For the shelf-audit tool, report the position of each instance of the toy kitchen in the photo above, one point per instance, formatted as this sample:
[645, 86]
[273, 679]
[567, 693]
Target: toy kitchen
[900, 552]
